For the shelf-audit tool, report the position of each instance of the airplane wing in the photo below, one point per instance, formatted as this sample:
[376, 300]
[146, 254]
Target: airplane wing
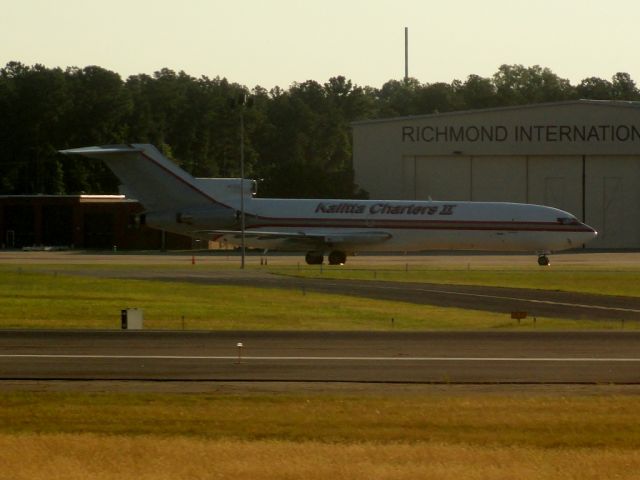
[333, 239]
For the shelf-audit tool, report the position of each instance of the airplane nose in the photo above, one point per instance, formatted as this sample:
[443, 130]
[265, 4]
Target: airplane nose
[589, 233]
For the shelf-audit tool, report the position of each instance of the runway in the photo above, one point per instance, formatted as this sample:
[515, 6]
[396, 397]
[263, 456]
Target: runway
[378, 357]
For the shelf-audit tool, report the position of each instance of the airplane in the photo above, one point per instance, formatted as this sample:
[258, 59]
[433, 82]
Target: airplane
[211, 209]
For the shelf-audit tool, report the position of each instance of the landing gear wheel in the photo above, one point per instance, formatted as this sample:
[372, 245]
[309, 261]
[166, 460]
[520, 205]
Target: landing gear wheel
[313, 258]
[337, 258]
[543, 261]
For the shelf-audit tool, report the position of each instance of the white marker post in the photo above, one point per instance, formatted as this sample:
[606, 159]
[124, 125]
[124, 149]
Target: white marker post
[239, 345]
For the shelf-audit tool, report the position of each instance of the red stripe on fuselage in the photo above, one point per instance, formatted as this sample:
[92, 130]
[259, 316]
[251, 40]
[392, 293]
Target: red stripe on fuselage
[421, 225]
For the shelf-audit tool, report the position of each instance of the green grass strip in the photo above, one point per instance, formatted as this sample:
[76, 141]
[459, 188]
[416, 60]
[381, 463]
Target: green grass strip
[595, 281]
[38, 300]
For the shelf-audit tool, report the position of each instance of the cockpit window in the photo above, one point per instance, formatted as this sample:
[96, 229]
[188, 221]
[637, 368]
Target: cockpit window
[568, 220]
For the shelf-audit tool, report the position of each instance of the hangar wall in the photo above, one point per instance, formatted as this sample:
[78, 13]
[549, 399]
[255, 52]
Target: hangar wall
[581, 156]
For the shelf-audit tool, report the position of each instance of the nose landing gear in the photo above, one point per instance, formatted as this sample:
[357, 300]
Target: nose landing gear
[543, 261]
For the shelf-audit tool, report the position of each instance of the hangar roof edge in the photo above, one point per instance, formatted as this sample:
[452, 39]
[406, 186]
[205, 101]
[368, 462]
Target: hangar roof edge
[599, 103]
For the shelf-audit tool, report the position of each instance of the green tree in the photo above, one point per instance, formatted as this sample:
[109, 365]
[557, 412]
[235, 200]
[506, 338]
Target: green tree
[34, 102]
[478, 92]
[519, 85]
[96, 114]
[398, 98]
[305, 149]
[595, 88]
[624, 88]
[439, 97]
[298, 140]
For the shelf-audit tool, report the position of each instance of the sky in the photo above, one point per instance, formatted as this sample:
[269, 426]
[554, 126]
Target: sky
[279, 42]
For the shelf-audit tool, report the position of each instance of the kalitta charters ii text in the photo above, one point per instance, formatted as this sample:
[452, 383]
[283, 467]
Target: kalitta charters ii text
[384, 208]
[521, 133]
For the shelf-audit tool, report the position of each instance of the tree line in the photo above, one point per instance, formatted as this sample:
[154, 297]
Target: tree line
[297, 141]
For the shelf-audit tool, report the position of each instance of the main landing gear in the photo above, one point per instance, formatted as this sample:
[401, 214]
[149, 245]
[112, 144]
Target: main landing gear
[336, 257]
[543, 261]
[314, 258]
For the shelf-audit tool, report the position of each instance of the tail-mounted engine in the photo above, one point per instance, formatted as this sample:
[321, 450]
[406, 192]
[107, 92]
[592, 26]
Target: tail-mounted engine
[210, 217]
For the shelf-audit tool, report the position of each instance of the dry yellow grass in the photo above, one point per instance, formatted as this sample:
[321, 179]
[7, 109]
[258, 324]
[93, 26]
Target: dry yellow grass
[122, 436]
[603, 421]
[82, 456]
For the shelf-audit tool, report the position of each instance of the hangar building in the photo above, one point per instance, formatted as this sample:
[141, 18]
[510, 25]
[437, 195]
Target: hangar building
[580, 156]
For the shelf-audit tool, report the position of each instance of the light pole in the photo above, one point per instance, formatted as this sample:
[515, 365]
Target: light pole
[242, 101]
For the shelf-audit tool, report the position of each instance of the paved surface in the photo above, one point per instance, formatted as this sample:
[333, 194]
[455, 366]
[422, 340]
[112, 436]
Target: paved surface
[395, 357]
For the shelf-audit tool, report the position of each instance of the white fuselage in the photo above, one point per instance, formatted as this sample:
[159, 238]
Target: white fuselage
[411, 225]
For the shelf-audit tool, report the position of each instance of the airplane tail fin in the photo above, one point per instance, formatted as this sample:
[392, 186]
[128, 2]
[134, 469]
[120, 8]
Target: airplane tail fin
[148, 176]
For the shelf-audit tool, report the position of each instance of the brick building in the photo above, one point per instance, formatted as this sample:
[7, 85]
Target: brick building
[80, 221]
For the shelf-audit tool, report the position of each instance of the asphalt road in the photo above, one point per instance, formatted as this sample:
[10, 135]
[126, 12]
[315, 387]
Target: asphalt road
[391, 357]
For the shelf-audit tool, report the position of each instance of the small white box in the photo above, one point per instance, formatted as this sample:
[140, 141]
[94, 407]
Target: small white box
[132, 319]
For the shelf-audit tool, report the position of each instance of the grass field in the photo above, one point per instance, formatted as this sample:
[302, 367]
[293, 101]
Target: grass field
[621, 281]
[82, 456]
[53, 300]
[599, 277]
[299, 436]
[304, 436]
